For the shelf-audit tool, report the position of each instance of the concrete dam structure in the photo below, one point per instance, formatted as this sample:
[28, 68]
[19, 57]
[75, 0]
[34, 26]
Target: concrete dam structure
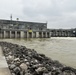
[63, 32]
[21, 29]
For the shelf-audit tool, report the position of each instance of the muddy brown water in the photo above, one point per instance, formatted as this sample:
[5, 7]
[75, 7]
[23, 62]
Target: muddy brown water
[61, 49]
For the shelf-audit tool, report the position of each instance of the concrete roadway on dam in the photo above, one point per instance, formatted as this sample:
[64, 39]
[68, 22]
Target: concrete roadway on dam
[4, 70]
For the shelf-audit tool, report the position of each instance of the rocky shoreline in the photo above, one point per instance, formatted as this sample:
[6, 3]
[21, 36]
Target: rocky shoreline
[23, 61]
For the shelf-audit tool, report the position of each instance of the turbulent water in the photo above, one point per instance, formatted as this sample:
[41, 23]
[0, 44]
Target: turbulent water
[61, 49]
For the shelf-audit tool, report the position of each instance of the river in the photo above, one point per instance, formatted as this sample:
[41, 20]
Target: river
[61, 49]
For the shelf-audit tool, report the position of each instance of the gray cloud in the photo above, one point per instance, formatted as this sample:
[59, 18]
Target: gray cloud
[58, 13]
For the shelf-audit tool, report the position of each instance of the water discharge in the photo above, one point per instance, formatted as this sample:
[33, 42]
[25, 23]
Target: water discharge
[61, 49]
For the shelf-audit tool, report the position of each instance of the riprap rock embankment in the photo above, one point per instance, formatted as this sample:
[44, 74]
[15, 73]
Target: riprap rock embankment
[23, 61]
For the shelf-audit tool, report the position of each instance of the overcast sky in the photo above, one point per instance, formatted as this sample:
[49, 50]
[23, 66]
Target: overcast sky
[57, 13]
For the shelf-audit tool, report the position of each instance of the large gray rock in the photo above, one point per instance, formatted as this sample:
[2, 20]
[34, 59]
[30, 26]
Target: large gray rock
[23, 66]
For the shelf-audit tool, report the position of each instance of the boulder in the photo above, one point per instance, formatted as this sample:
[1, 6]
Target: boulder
[23, 66]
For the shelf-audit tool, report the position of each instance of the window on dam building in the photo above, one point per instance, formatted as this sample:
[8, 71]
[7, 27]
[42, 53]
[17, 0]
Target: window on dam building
[40, 29]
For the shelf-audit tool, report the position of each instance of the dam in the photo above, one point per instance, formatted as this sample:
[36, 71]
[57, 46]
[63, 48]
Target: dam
[21, 29]
[63, 32]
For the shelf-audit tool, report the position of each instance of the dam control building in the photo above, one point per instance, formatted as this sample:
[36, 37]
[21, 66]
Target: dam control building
[22, 29]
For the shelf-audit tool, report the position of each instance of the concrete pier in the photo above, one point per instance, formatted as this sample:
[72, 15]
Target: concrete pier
[22, 34]
[4, 70]
[10, 34]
